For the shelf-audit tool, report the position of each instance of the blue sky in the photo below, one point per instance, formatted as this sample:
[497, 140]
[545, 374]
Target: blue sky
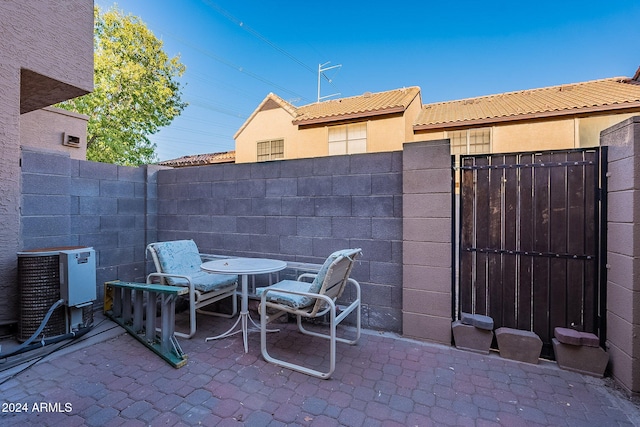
[236, 52]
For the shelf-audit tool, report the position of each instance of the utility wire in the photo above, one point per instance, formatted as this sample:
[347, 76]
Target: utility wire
[256, 34]
[259, 36]
[234, 66]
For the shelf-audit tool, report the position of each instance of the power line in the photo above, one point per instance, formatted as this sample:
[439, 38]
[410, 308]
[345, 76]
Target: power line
[256, 34]
[234, 66]
[259, 36]
[216, 124]
[213, 107]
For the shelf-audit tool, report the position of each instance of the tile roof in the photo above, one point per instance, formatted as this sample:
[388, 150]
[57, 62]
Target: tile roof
[587, 97]
[201, 159]
[366, 105]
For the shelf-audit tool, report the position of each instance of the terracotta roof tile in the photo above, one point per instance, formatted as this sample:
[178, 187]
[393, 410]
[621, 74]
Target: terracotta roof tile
[598, 95]
[368, 104]
[201, 159]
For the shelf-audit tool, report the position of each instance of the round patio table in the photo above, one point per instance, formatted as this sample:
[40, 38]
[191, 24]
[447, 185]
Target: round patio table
[243, 267]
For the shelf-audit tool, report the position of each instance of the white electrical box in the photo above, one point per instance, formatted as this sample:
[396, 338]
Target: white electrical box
[78, 276]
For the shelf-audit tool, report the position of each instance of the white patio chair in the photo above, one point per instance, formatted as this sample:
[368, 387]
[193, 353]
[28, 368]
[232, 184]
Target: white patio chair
[312, 300]
[178, 263]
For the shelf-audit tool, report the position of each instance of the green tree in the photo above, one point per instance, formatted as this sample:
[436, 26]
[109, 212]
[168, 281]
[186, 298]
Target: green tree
[135, 93]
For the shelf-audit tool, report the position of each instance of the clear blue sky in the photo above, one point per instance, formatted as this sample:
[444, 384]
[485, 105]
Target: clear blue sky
[236, 52]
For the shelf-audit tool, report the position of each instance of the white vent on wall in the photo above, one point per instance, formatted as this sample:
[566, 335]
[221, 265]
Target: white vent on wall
[70, 140]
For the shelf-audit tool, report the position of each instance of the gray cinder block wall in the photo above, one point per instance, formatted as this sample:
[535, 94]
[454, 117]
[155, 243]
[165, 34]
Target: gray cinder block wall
[68, 202]
[396, 206]
[623, 252]
[427, 206]
[298, 210]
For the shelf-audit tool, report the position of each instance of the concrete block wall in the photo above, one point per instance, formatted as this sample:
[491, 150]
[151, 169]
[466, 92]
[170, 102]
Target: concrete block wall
[623, 252]
[68, 202]
[298, 210]
[427, 274]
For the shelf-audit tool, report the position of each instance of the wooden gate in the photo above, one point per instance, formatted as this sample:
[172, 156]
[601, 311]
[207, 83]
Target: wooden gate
[531, 240]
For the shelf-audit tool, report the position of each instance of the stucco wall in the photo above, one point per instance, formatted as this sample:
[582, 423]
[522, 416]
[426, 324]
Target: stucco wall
[590, 127]
[269, 124]
[53, 38]
[540, 135]
[46, 56]
[45, 128]
[623, 252]
[9, 189]
[384, 134]
[531, 136]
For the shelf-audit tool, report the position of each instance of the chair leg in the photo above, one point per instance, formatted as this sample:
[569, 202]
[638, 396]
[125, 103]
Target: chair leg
[192, 321]
[294, 366]
[192, 315]
[234, 311]
[192, 324]
[337, 320]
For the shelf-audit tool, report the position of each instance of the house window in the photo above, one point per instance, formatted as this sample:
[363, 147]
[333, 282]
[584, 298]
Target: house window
[470, 141]
[348, 139]
[270, 150]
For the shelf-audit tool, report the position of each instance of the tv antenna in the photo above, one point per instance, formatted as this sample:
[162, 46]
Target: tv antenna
[321, 74]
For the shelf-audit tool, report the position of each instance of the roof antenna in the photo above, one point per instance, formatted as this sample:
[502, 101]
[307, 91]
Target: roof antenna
[321, 74]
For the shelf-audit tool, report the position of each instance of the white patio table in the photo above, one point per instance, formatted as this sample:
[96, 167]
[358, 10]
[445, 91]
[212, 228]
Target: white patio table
[244, 267]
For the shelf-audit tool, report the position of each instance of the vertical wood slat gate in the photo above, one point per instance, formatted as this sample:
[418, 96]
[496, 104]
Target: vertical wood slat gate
[530, 240]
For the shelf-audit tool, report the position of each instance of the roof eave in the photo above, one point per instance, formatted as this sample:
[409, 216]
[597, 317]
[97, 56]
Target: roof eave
[290, 109]
[530, 116]
[340, 117]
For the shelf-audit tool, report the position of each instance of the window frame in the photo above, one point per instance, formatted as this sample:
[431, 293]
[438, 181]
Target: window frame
[468, 143]
[345, 142]
[270, 153]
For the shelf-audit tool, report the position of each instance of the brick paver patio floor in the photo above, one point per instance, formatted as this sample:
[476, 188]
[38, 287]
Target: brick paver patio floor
[385, 380]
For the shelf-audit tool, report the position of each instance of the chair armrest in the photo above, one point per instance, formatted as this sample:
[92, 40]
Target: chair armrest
[356, 285]
[304, 266]
[306, 276]
[177, 276]
[331, 305]
[263, 296]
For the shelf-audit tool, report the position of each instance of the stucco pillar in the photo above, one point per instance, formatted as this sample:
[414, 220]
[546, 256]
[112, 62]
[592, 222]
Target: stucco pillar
[623, 252]
[9, 189]
[426, 205]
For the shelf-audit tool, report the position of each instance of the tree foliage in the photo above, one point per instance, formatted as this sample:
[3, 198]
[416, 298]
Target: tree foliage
[136, 91]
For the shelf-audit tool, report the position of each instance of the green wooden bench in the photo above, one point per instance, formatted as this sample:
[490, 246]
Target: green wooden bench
[128, 310]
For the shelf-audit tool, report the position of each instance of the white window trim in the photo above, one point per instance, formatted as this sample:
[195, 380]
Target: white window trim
[447, 135]
[346, 140]
[271, 153]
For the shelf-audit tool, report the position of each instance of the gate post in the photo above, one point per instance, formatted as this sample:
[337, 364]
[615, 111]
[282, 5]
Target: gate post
[623, 252]
[427, 250]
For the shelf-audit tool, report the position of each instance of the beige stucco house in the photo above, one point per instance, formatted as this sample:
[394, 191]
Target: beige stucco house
[372, 122]
[558, 117]
[46, 56]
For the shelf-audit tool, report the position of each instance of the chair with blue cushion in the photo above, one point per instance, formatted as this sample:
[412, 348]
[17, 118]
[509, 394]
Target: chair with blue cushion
[178, 263]
[312, 299]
